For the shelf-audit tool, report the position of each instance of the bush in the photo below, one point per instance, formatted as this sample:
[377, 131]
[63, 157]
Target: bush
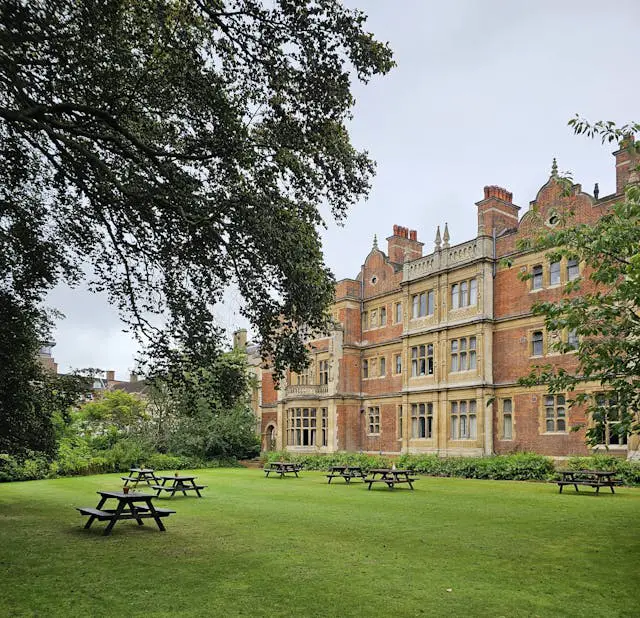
[626, 471]
[29, 468]
[519, 467]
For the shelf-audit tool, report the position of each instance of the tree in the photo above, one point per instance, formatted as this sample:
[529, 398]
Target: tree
[205, 412]
[606, 317]
[29, 395]
[172, 147]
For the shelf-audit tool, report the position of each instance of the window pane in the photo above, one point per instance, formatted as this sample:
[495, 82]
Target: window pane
[423, 304]
[415, 306]
[430, 302]
[554, 273]
[572, 269]
[398, 312]
[550, 425]
[473, 292]
[561, 425]
[507, 427]
[472, 426]
[455, 296]
[454, 427]
[464, 298]
[507, 406]
[536, 281]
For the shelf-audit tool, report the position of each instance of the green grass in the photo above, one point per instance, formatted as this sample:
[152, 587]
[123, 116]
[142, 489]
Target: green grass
[299, 547]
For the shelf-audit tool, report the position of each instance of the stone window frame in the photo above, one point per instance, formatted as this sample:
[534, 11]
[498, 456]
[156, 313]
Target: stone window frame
[298, 432]
[559, 273]
[601, 397]
[323, 371]
[422, 353]
[422, 411]
[464, 293]
[423, 304]
[537, 278]
[373, 421]
[554, 413]
[375, 317]
[466, 349]
[466, 429]
[503, 414]
[397, 316]
[541, 341]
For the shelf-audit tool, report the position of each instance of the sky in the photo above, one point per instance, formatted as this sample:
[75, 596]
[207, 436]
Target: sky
[481, 95]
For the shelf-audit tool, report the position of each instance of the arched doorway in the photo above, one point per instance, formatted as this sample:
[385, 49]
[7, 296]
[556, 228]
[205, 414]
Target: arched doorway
[269, 438]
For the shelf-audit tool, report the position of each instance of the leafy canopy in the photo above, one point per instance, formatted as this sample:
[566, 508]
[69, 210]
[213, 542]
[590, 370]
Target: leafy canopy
[171, 147]
[605, 314]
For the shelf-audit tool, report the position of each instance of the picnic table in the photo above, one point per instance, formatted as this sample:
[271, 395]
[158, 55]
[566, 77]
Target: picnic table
[178, 482]
[282, 468]
[390, 476]
[131, 505]
[590, 478]
[345, 472]
[140, 475]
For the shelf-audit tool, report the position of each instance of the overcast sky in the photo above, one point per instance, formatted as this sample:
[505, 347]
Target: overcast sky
[481, 95]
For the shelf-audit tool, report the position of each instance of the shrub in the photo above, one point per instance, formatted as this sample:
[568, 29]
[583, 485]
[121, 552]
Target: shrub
[31, 467]
[626, 471]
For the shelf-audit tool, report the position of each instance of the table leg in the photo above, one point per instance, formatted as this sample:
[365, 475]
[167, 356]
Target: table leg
[92, 518]
[195, 487]
[155, 516]
[112, 521]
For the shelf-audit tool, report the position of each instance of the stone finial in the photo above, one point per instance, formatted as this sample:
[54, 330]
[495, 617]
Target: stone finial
[375, 241]
[596, 191]
[554, 168]
[446, 236]
[438, 240]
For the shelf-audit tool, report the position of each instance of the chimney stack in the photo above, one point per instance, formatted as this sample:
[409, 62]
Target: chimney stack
[240, 339]
[403, 245]
[496, 211]
[111, 375]
[133, 378]
[627, 160]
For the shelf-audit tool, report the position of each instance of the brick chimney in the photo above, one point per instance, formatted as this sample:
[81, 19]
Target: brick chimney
[496, 210]
[403, 245]
[627, 160]
[111, 375]
[240, 339]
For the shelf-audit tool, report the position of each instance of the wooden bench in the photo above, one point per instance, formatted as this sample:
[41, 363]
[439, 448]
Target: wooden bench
[391, 482]
[347, 476]
[596, 483]
[175, 489]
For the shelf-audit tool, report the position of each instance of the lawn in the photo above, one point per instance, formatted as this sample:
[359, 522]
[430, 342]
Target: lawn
[299, 547]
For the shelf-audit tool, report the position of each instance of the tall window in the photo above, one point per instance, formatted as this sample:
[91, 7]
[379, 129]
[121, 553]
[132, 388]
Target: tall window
[304, 377]
[399, 422]
[463, 420]
[572, 339]
[555, 413]
[422, 420]
[573, 271]
[398, 315]
[365, 368]
[383, 366]
[507, 419]
[430, 302]
[374, 420]
[422, 360]
[463, 354]
[464, 294]
[398, 363]
[323, 372]
[383, 316]
[536, 278]
[325, 427]
[536, 343]
[607, 427]
[554, 273]
[302, 426]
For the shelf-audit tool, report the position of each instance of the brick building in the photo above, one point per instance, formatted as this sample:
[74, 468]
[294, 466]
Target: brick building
[427, 348]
